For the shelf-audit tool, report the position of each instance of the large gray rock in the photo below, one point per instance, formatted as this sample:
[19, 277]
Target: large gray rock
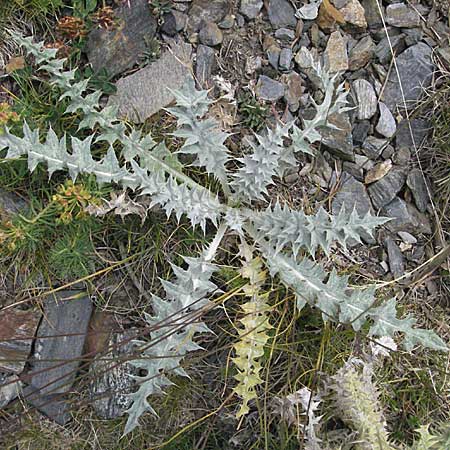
[366, 99]
[119, 49]
[281, 14]
[146, 91]
[416, 70]
[59, 342]
[384, 191]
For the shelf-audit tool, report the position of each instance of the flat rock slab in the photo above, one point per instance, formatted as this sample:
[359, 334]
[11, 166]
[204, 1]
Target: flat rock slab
[119, 49]
[146, 91]
[416, 70]
[59, 342]
[53, 406]
[17, 330]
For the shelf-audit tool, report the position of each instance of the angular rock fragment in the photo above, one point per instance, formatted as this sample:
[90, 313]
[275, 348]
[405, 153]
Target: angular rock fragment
[361, 53]
[386, 125]
[207, 11]
[250, 8]
[11, 203]
[339, 140]
[366, 99]
[416, 70]
[396, 260]
[385, 190]
[146, 91]
[411, 135]
[10, 386]
[120, 48]
[210, 34]
[405, 217]
[336, 58]
[17, 331]
[373, 147]
[378, 171]
[205, 65]
[402, 16]
[268, 89]
[353, 14]
[416, 183]
[281, 14]
[386, 48]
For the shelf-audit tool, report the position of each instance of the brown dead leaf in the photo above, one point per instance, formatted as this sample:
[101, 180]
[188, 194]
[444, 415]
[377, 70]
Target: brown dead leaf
[378, 171]
[329, 16]
[15, 63]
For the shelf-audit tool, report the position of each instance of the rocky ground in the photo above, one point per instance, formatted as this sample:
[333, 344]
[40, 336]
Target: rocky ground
[390, 55]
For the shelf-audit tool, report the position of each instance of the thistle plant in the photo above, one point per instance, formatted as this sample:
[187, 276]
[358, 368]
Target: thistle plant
[283, 240]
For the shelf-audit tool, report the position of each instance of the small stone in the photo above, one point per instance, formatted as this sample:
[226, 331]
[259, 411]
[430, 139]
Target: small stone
[285, 61]
[372, 13]
[120, 48]
[366, 99]
[416, 183]
[268, 89]
[353, 169]
[405, 217]
[145, 92]
[373, 147]
[407, 237]
[250, 8]
[396, 260]
[378, 171]
[364, 162]
[387, 152]
[402, 156]
[273, 55]
[415, 69]
[66, 318]
[281, 14]
[386, 125]
[412, 36]
[339, 140]
[361, 53]
[402, 16]
[285, 34]
[17, 329]
[207, 11]
[174, 22]
[384, 191]
[353, 14]
[210, 34]
[360, 132]
[228, 21]
[294, 89]
[383, 49]
[336, 58]
[204, 65]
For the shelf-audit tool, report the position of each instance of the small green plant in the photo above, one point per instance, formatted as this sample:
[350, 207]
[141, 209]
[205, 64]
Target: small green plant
[253, 113]
[276, 239]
